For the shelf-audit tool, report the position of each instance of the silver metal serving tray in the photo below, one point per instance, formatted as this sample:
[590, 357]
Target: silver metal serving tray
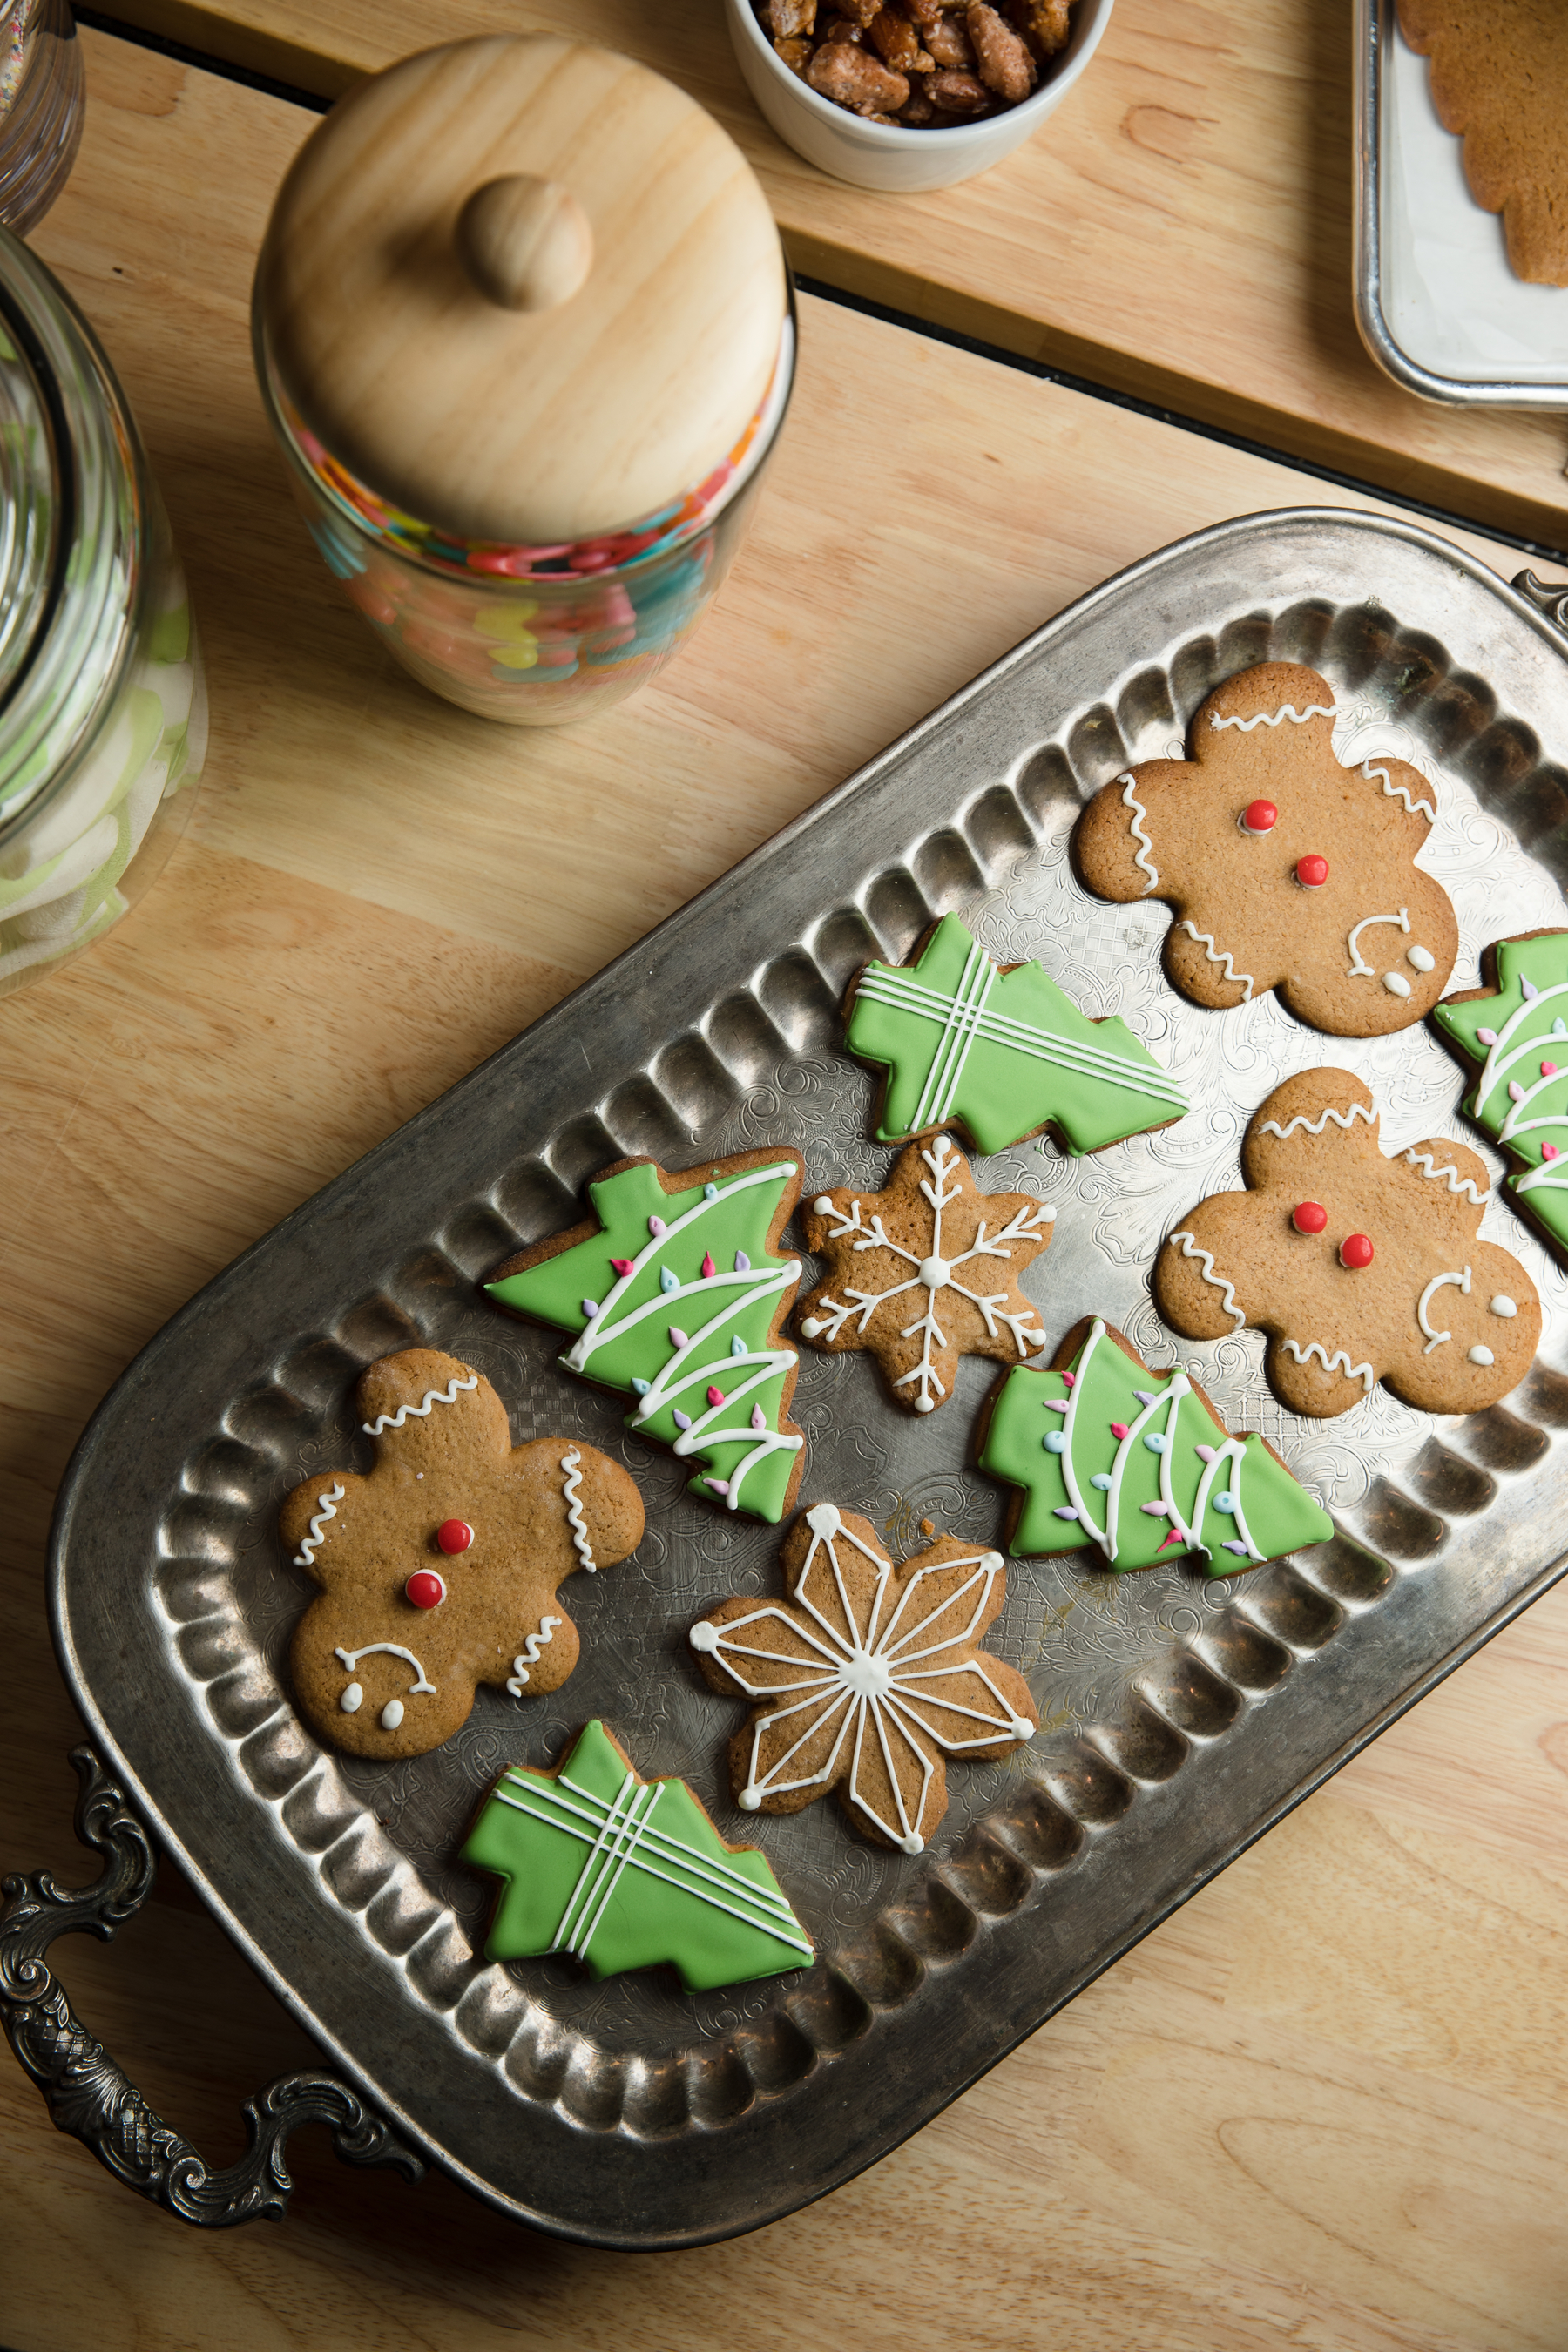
[1437, 304]
[1181, 1719]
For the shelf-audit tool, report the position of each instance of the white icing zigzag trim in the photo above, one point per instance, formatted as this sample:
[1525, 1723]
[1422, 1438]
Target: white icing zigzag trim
[1363, 1372]
[418, 1412]
[1144, 857]
[573, 1479]
[1273, 718]
[1205, 941]
[327, 1509]
[1456, 1184]
[1392, 791]
[529, 1654]
[1315, 1126]
[1205, 1265]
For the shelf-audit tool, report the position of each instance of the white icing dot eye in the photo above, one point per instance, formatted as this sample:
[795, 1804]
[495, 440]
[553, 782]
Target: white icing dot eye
[823, 1205]
[704, 1637]
[822, 1520]
[1396, 984]
[1482, 1355]
[750, 1800]
[1503, 1305]
[1421, 959]
[353, 1699]
[392, 1714]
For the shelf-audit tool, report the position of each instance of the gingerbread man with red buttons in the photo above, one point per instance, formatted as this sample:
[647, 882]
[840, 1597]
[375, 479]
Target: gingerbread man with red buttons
[438, 1569]
[1360, 1265]
[1286, 870]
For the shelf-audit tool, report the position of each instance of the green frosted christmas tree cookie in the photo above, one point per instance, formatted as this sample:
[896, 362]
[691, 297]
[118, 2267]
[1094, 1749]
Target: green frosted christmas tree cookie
[1515, 1030]
[624, 1873]
[1109, 1453]
[1000, 1053]
[677, 1297]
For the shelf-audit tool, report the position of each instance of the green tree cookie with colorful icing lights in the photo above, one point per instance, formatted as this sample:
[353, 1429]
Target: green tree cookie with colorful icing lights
[1001, 1052]
[1516, 1032]
[624, 1873]
[1107, 1452]
[677, 1294]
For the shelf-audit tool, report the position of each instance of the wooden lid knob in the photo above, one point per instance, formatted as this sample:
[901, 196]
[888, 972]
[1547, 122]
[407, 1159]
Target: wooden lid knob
[525, 242]
[524, 289]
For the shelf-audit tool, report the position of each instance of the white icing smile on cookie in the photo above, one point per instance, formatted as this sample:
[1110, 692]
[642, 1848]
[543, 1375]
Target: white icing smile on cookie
[1438, 1283]
[352, 1699]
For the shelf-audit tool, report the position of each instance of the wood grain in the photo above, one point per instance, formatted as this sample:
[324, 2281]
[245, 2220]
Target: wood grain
[1180, 229]
[1323, 2104]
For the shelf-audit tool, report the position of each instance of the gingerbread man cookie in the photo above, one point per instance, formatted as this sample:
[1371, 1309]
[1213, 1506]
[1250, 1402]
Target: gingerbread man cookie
[925, 1272]
[1359, 1265]
[438, 1570]
[865, 1677]
[1285, 869]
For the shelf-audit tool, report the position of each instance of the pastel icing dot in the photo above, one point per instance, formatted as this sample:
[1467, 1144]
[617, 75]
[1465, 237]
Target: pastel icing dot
[1482, 1355]
[655, 1226]
[1055, 1442]
[1225, 1503]
[711, 1191]
[1119, 1429]
[1156, 1443]
[737, 1346]
[590, 1307]
[715, 1395]
[1503, 1305]
[709, 1269]
[1548, 1151]
[1420, 958]
[1486, 1036]
[666, 1280]
[1102, 1479]
[621, 1264]
[1549, 1069]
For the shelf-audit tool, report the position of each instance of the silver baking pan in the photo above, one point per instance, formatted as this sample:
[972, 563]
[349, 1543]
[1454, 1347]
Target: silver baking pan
[1180, 1717]
[1438, 306]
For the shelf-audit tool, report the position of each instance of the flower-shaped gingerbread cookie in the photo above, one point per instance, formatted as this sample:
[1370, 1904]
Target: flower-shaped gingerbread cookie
[438, 1570]
[926, 1272]
[1285, 869]
[1360, 1267]
[865, 1677]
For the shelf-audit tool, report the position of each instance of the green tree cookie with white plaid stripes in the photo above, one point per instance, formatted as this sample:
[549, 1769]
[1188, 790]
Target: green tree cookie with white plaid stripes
[624, 1873]
[1001, 1052]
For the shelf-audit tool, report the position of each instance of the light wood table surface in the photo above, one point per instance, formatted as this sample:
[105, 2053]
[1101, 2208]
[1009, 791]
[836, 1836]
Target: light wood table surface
[1326, 2105]
[1179, 230]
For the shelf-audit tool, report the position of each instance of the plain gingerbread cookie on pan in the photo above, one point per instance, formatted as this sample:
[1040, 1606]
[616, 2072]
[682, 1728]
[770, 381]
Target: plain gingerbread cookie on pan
[1500, 77]
[439, 1570]
[1286, 870]
[1360, 1267]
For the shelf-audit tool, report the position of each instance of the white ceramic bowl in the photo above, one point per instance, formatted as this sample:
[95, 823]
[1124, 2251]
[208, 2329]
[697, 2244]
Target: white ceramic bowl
[893, 156]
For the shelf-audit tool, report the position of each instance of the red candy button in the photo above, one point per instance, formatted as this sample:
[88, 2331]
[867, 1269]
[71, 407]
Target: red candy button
[453, 1534]
[1309, 1218]
[1260, 817]
[1355, 1250]
[1313, 871]
[425, 1589]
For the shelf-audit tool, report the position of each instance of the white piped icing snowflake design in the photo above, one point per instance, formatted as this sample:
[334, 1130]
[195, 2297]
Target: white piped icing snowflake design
[925, 1276]
[867, 1676]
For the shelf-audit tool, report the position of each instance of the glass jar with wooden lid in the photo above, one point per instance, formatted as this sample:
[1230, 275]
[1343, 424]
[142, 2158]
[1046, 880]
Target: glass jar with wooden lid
[524, 333]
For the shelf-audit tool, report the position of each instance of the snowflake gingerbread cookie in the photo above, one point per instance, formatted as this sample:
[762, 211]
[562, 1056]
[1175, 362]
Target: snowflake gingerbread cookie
[1001, 1052]
[1359, 1265]
[925, 1272]
[865, 1677]
[676, 1294]
[439, 1568]
[1514, 1033]
[1286, 870]
[1106, 1452]
[624, 1873]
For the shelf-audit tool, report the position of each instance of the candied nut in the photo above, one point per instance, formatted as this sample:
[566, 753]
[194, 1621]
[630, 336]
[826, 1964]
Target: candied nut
[1003, 64]
[851, 79]
[895, 42]
[795, 54]
[919, 111]
[859, 12]
[787, 20]
[837, 30]
[1047, 21]
[923, 11]
[958, 94]
[949, 43]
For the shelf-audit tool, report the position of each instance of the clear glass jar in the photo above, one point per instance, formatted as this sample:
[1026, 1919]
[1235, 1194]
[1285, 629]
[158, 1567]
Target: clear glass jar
[534, 636]
[41, 90]
[102, 704]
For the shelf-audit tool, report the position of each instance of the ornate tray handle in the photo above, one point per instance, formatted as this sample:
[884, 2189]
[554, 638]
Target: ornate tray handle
[91, 2098]
[1549, 597]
